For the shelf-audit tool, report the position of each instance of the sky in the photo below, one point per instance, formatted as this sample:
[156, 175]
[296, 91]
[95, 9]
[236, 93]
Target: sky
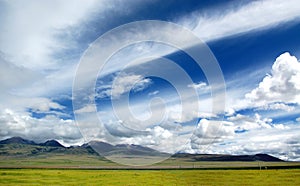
[243, 98]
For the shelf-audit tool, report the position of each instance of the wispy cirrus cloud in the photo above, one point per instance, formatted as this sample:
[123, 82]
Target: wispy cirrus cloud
[28, 35]
[251, 17]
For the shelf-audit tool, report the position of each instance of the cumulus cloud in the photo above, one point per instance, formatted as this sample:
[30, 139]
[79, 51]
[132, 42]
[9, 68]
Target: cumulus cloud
[175, 114]
[32, 104]
[243, 122]
[282, 85]
[261, 136]
[86, 109]
[43, 105]
[198, 86]
[278, 106]
[124, 83]
[210, 129]
[51, 127]
[159, 138]
[280, 142]
[207, 133]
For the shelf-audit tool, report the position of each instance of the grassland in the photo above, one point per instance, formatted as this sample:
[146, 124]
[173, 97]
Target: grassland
[21, 164]
[98, 162]
[59, 169]
[148, 177]
[54, 161]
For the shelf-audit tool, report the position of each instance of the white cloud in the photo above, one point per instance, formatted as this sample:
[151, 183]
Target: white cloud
[13, 76]
[262, 136]
[23, 125]
[243, 122]
[43, 105]
[52, 84]
[86, 109]
[280, 142]
[153, 93]
[30, 72]
[198, 86]
[165, 137]
[42, 24]
[34, 37]
[253, 16]
[175, 113]
[160, 132]
[277, 98]
[207, 133]
[216, 27]
[36, 104]
[123, 83]
[229, 112]
[159, 138]
[214, 129]
[28, 33]
[282, 85]
[278, 106]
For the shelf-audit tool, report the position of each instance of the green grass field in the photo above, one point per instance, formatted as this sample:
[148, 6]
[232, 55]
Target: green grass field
[148, 177]
[96, 162]
[68, 169]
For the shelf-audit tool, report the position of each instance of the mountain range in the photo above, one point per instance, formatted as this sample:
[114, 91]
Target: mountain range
[19, 147]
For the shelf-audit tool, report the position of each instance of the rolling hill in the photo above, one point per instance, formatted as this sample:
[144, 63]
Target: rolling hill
[19, 147]
[225, 157]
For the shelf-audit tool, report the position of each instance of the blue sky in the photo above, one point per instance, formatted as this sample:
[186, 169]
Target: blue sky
[256, 44]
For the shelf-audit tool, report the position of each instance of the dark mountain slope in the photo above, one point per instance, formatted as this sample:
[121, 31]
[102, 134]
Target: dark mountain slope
[17, 140]
[51, 143]
[224, 157]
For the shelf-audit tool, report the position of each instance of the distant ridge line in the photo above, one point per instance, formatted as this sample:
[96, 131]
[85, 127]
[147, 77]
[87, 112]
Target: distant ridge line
[103, 148]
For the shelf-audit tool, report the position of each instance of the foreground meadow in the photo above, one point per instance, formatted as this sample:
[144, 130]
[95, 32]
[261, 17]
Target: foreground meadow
[148, 177]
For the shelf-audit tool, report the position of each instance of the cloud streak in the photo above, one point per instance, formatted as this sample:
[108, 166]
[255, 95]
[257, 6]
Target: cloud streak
[28, 34]
[251, 17]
